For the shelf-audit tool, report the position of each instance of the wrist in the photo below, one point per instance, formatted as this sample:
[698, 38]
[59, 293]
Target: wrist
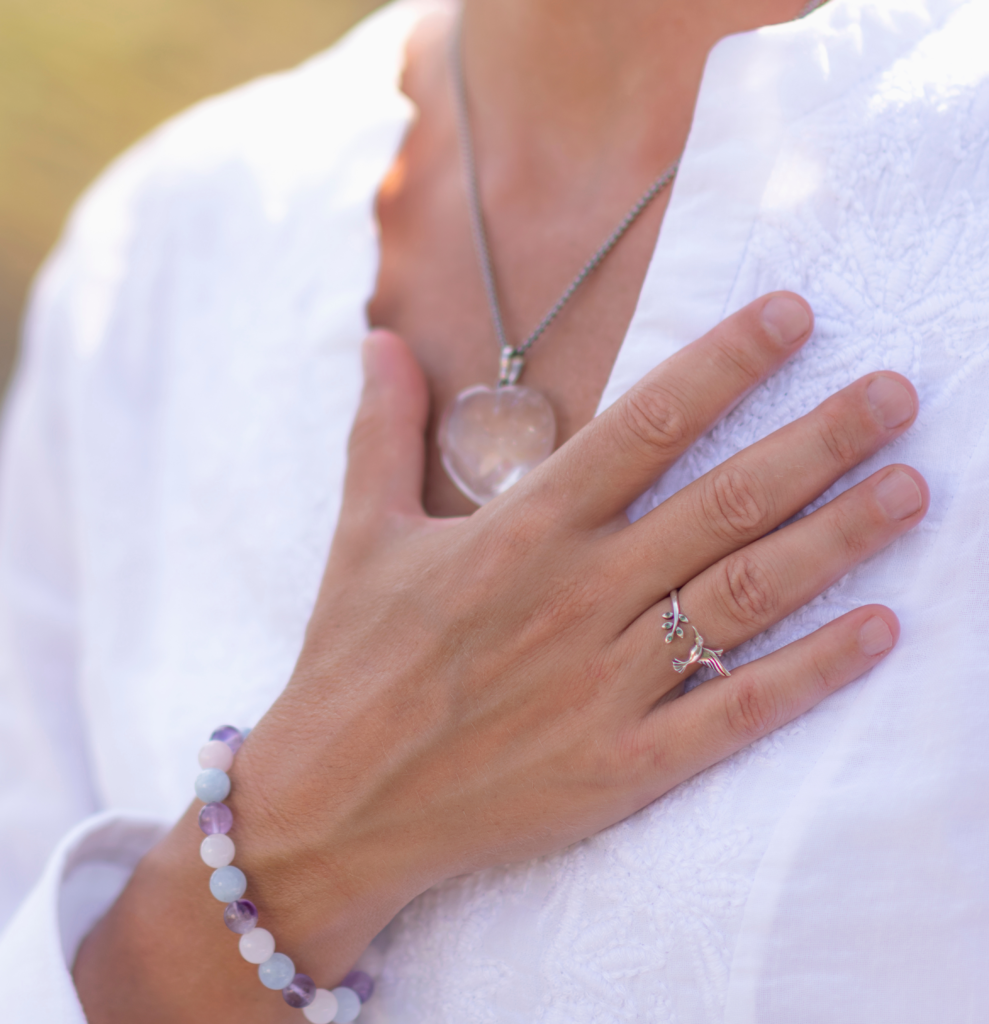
[323, 885]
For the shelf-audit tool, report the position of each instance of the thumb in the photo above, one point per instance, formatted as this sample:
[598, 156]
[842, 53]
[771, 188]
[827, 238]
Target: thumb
[387, 452]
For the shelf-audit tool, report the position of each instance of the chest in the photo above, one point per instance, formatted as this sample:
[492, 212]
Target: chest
[430, 289]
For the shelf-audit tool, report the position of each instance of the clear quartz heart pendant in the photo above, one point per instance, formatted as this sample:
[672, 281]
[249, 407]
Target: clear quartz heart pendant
[491, 437]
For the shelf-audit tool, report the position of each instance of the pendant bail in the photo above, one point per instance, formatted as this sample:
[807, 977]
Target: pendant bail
[511, 366]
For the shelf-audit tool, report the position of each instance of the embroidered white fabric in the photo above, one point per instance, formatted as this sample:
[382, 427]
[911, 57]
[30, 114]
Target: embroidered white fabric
[171, 473]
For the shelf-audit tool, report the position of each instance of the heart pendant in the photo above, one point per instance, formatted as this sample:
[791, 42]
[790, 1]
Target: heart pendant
[491, 437]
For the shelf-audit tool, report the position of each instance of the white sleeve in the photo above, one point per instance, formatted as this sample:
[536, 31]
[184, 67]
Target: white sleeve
[79, 883]
[62, 861]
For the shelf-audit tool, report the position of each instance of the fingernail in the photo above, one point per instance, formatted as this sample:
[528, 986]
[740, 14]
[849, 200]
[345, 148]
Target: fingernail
[890, 401]
[899, 495]
[786, 318]
[875, 637]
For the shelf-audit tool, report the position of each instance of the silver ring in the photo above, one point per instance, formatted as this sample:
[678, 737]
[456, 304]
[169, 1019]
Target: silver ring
[699, 654]
[675, 617]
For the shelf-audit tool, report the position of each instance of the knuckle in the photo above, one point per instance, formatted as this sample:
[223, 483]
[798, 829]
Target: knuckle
[750, 591]
[498, 560]
[655, 420]
[521, 530]
[838, 437]
[752, 710]
[735, 505]
[553, 598]
[515, 543]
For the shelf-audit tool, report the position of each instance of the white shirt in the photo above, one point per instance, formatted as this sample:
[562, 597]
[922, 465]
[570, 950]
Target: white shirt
[171, 474]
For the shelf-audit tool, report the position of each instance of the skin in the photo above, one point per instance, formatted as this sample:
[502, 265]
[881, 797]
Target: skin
[481, 689]
[564, 147]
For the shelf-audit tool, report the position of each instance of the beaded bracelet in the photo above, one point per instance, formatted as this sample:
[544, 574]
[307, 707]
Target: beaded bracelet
[228, 884]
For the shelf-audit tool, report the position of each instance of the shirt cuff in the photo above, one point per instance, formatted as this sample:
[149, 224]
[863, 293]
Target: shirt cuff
[81, 880]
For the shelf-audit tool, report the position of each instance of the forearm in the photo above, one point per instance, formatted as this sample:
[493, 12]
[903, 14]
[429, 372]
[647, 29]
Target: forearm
[162, 953]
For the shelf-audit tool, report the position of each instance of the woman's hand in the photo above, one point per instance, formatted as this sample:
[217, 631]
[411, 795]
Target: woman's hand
[488, 689]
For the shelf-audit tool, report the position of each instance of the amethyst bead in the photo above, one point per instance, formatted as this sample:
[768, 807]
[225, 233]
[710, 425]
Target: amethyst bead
[215, 818]
[361, 982]
[240, 916]
[300, 991]
[229, 735]
[216, 754]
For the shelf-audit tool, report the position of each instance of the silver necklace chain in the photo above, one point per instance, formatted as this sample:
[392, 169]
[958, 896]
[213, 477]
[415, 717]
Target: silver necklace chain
[513, 356]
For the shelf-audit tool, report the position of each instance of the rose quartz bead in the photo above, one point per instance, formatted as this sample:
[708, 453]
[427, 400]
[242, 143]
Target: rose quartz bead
[217, 850]
[257, 945]
[322, 1009]
[215, 818]
[216, 754]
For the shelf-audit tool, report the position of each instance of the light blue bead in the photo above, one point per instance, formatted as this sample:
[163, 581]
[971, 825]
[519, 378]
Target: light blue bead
[212, 786]
[277, 971]
[246, 732]
[228, 884]
[348, 1005]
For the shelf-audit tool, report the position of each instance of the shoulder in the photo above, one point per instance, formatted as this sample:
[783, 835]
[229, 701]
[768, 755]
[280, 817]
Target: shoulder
[281, 127]
[272, 145]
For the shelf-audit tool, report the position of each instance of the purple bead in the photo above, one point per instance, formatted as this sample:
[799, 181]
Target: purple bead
[300, 991]
[215, 818]
[240, 916]
[229, 735]
[361, 983]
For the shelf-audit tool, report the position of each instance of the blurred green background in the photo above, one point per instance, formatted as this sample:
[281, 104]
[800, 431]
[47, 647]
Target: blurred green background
[81, 79]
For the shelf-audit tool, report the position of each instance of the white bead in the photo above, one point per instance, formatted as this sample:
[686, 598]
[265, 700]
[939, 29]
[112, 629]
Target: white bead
[322, 1009]
[372, 962]
[216, 754]
[217, 851]
[348, 1005]
[257, 945]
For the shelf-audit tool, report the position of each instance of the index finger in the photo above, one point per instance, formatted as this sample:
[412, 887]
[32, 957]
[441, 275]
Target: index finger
[602, 469]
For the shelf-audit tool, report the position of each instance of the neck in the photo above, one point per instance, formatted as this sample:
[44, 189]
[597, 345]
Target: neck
[558, 86]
